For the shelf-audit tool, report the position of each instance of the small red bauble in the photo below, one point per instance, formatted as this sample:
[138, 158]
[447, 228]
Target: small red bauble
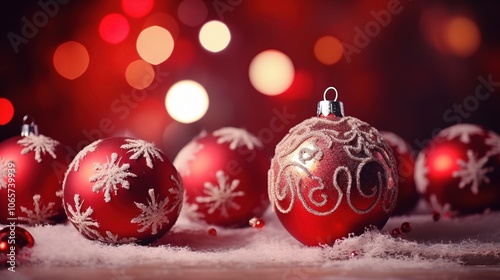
[12, 241]
[404, 155]
[122, 190]
[458, 172]
[224, 173]
[332, 176]
[32, 170]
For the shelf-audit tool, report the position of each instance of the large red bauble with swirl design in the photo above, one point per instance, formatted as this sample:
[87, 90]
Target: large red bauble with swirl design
[122, 190]
[31, 173]
[224, 173]
[458, 172]
[332, 176]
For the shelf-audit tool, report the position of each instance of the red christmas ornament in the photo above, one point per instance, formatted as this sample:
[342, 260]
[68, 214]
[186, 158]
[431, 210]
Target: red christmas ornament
[32, 170]
[12, 240]
[224, 174]
[122, 190]
[331, 176]
[405, 161]
[458, 172]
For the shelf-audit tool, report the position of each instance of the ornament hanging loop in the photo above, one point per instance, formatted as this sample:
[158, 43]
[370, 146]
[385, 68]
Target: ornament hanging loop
[327, 107]
[336, 93]
[29, 126]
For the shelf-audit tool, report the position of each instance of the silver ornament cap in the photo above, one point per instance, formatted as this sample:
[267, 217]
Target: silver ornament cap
[327, 107]
[29, 126]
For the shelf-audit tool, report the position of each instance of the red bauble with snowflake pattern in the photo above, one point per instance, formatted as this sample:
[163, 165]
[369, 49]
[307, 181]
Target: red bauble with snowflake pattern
[225, 176]
[404, 155]
[122, 190]
[332, 176]
[32, 170]
[458, 172]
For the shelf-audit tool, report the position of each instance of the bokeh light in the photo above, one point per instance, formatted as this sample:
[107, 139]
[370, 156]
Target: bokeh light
[137, 9]
[214, 36]
[271, 72]
[71, 60]
[462, 36]
[187, 101]
[139, 74]
[164, 20]
[155, 44]
[114, 28]
[328, 50]
[6, 111]
[192, 12]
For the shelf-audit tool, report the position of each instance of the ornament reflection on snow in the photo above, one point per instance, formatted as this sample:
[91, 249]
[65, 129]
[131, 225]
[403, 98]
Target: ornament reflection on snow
[122, 190]
[224, 173]
[332, 176]
[32, 169]
[458, 172]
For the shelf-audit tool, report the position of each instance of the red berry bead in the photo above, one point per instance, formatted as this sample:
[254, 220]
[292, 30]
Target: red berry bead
[256, 223]
[396, 232]
[406, 227]
[212, 231]
[436, 216]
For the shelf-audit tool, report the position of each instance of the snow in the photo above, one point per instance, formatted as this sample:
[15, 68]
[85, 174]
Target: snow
[448, 243]
[220, 196]
[153, 215]
[38, 144]
[142, 148]
[237, 137]
[108, 175]
[472, 172]
[40, 214]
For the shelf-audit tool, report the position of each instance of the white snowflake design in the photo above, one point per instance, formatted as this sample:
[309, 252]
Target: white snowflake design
[220, 196]
[187, 155]
[38, 144]
[463, 131]
[115, 238]
[237, 137]
[190, 210]
[75, 164]
[40, 214]
[472, 172]
[142, 148]
[420, 175]
[153, 215]
[493, 141]
[83, 221]
[109, 175]
[3, 173]
[395, 140]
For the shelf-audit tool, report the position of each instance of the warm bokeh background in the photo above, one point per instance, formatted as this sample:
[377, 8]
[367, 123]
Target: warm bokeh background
[411, 67]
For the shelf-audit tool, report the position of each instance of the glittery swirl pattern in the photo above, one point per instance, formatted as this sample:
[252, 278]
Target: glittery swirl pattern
[348, 149]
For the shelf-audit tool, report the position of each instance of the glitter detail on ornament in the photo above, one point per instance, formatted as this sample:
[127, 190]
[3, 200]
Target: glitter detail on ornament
[38, 144]
[4, 166]
[400, 144]
[75, 164]
[361, 143]
[220, 196]
[142, 148]
[212, 231]
[493, 141]
[406, 227]
[83, 221]
[256, 223]
[41, 214]
[110, 174]
[237, 137]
